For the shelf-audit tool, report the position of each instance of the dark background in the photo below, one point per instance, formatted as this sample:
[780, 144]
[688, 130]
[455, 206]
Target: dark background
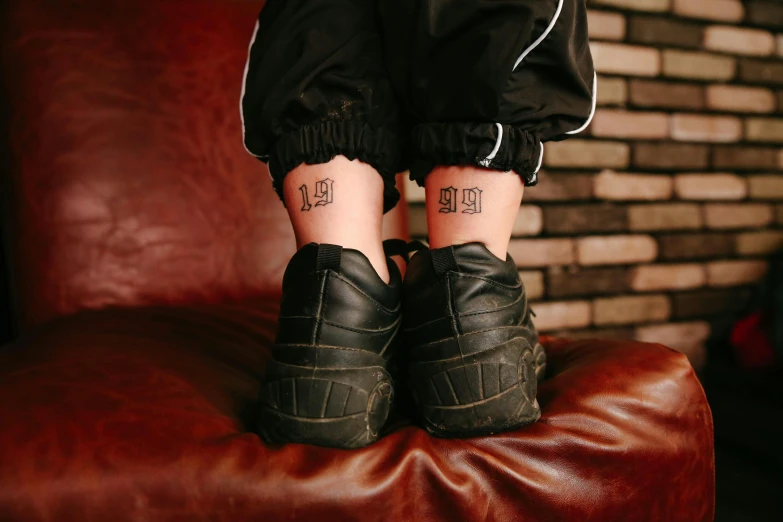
[5, 290]
[5, 279]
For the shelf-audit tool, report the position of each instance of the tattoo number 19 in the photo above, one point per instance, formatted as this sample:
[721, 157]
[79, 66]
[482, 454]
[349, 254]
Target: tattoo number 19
[323, 192]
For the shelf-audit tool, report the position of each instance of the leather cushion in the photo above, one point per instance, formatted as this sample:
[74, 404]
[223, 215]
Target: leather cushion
[145, 415]
[129, 182]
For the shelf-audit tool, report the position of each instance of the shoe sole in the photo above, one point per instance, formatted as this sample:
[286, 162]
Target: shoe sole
[343, 402]
[463, 389]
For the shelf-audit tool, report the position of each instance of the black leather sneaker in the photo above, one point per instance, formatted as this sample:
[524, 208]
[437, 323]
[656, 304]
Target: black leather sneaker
[327, 383]
[474, 352]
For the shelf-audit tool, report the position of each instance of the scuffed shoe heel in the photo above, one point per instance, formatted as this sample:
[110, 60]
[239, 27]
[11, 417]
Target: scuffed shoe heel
[343, 408]
[477, 391]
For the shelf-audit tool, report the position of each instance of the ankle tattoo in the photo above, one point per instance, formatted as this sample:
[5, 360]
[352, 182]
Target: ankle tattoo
[448, 200]
[471, 200]
[324, 192]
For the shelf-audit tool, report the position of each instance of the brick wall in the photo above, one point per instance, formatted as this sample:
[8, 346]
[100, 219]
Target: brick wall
[656, 222]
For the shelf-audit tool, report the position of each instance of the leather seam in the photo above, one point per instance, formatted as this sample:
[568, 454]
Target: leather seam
[454, 324]
[321, 306]
[366, 332]
[457, 338]
[326, 347]
[488, 281]
[428, 323]
[480, 312]
[391, 338]
[338, 325]
[477, 332]
[470, 314]
[321, 294]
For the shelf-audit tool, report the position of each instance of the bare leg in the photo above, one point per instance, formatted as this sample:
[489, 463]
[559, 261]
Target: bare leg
[470, 204]
[339, 202]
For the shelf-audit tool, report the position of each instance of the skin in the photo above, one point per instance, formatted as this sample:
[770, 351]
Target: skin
[462, 220]
[342, 203]
[352, 215]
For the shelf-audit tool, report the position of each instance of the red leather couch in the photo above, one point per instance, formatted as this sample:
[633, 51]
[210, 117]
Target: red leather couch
[147, 249]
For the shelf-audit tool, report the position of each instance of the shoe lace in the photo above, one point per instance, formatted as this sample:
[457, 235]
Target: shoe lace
[402, 248]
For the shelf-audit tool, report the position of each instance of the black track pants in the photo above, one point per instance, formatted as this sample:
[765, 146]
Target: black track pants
[413, 84]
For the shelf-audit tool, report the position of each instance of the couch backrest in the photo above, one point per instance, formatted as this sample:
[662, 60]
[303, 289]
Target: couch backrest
[128, 180]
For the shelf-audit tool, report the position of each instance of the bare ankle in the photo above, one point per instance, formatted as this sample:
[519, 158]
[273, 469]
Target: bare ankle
[341, 203]
[472, 205]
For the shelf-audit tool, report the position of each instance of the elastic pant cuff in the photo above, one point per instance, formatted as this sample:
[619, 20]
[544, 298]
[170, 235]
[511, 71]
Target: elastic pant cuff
[313, 145]
[478, 144]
